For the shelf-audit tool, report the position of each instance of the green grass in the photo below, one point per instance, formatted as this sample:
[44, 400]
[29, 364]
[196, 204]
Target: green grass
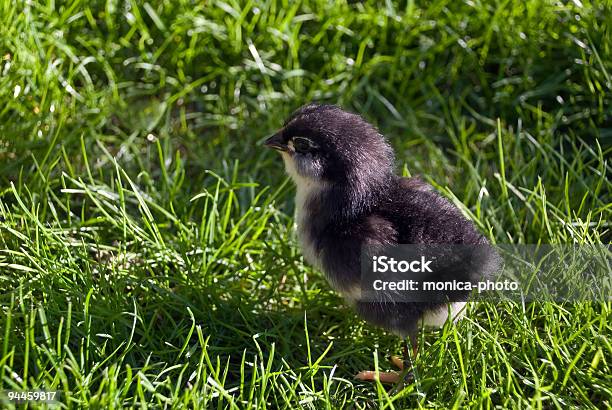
[147, 255]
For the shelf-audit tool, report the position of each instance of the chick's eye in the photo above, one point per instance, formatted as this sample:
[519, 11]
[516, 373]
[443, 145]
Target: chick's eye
[302, 144]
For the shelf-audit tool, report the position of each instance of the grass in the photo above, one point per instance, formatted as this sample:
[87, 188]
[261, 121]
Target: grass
[147, 251]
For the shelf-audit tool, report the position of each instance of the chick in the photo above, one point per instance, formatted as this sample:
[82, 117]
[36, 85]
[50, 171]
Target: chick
[348, 197]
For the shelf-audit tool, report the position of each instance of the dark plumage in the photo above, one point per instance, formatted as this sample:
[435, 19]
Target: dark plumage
[348, 196]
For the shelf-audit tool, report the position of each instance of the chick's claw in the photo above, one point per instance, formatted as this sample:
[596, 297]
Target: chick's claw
[383, 377]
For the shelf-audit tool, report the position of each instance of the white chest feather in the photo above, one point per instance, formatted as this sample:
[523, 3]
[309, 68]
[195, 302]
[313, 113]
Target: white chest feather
[439, 317]
[306, 242]
[307, 191]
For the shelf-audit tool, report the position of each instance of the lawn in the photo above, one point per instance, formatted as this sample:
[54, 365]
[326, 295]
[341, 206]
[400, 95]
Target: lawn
[147, 251]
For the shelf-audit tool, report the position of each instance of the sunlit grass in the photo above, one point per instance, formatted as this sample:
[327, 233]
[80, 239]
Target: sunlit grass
[147, 252]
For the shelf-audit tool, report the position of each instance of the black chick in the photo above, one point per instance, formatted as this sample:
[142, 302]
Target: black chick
[348, 196]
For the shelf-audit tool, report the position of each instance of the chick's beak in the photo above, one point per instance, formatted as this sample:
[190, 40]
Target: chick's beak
[276, 142]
